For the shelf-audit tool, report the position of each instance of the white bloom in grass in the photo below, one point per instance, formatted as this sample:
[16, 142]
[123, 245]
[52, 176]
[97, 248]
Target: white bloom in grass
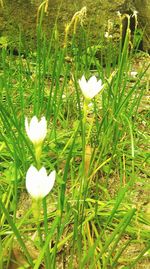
[118, 13]
[135, 13]
[91, 87]
[38, 184]
[36, 130]
[133, 74]
[107, 35]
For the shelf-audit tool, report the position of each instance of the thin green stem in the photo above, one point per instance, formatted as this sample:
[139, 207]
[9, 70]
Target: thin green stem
[38, 152]
[47, 258]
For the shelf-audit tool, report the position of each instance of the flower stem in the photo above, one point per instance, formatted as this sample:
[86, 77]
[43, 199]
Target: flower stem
[84, 120]
[47, 253]
[36, 209]
[38, 152]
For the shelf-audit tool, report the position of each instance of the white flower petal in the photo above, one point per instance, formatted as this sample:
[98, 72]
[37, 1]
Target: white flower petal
[83, 85]
[43, 127]
[31, 180]
[48, 184]
[31, 172]
[42, 172]
[98, 86]
[92, 81]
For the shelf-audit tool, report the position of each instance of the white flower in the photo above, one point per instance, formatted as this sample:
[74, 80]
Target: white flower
[36, 130]
[135, 13]
[91, 87]
[38, 184]
[118, 13]
[133, 74]
[107, 35]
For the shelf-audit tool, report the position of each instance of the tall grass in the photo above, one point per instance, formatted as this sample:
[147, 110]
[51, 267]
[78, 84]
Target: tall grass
[87, 221]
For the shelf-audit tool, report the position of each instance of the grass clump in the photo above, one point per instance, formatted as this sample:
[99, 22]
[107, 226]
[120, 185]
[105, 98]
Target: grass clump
[94, 216]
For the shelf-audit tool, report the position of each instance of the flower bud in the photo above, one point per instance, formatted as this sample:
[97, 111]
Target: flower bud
[36, 130]
[38, 184]
[91, 87]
